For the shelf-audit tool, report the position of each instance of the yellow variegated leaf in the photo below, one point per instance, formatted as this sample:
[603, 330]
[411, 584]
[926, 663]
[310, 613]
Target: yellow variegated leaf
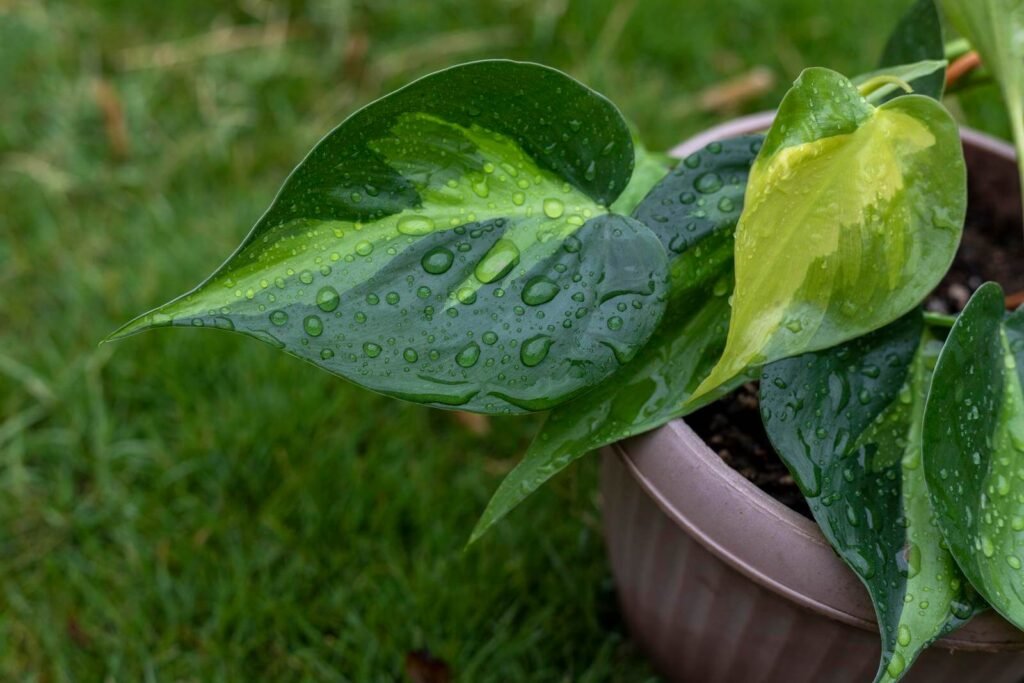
[852, 215]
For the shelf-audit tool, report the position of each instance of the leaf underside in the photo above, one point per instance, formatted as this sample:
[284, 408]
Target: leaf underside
[450, 244]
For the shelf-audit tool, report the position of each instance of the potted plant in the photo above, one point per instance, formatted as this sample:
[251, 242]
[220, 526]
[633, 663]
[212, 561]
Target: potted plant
[489, 238]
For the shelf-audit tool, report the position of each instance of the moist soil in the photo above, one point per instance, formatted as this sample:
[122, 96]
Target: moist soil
[992, 249]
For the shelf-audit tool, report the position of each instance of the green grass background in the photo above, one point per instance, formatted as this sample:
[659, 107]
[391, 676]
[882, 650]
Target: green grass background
[195, 506]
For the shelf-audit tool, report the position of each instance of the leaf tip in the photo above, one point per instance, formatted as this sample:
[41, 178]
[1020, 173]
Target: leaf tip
[141, 323]
[483, 525]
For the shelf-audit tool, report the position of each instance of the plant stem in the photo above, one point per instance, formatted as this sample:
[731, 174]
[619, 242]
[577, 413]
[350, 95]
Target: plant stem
[956, 48]
[872, 84]
[939, 319]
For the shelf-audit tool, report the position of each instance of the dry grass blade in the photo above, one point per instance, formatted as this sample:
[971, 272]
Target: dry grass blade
[109, 103]
[216, 42]
[727, 96]
[735, 92]
[474, 423]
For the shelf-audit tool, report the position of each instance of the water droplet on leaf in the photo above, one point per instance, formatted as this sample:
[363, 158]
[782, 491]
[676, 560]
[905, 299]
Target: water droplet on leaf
[415, 225]
[313, 326]
[327, 299]
[539, 290]
[498, 261]
[438, 260]
[468, 356]
[534, 350]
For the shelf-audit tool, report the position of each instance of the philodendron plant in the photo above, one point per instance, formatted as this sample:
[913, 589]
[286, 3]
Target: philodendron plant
[491, 239]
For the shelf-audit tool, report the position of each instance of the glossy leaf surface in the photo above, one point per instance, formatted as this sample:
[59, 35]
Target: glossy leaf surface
[693, 211]
[994, 28]
[847, 422]
[974, 449]
[449, 244]
[852, 215]
[918, 38]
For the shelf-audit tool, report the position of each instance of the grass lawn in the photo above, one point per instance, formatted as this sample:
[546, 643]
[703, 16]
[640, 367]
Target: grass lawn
[196, 506]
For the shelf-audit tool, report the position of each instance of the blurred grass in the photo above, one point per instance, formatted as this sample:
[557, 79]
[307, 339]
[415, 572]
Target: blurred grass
[201, 507]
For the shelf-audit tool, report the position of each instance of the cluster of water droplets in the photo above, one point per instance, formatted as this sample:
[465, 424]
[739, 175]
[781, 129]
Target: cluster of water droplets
[702, 195]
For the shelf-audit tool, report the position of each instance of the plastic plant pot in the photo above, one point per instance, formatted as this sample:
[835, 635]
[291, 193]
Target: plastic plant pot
[719, 582]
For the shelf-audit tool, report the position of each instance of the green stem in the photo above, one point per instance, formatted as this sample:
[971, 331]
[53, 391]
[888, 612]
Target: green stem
[939, 319]
[956, 48]
[878, 82]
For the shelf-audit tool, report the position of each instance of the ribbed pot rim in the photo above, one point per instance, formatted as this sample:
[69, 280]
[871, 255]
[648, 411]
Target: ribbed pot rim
[760, 537]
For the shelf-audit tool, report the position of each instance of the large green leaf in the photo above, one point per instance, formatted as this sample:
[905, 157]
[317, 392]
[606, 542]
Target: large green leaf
[995, 28]
[918, 38]
[974, 449]
[449, 244]
[847, 422]
[852, 215]
[693, 211]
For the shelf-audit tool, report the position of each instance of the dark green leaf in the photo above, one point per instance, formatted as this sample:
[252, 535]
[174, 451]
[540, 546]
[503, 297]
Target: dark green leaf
[449, 244]
[917, 38]
[847, 422]
[693, 211]
[974, 449]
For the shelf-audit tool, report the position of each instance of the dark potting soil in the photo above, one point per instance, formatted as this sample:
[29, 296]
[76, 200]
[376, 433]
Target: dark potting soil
[992, 249]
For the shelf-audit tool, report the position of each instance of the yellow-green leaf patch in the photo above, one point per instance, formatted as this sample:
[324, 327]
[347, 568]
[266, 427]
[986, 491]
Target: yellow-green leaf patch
[852, 214]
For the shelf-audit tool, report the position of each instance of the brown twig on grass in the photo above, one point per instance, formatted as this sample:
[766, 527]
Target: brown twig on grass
[109, 103]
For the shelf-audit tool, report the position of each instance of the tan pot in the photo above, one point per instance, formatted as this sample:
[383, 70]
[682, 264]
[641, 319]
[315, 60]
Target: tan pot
[720, 583]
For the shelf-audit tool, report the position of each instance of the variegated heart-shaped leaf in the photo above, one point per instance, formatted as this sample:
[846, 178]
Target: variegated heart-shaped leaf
[450, 244]
[852, 215]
